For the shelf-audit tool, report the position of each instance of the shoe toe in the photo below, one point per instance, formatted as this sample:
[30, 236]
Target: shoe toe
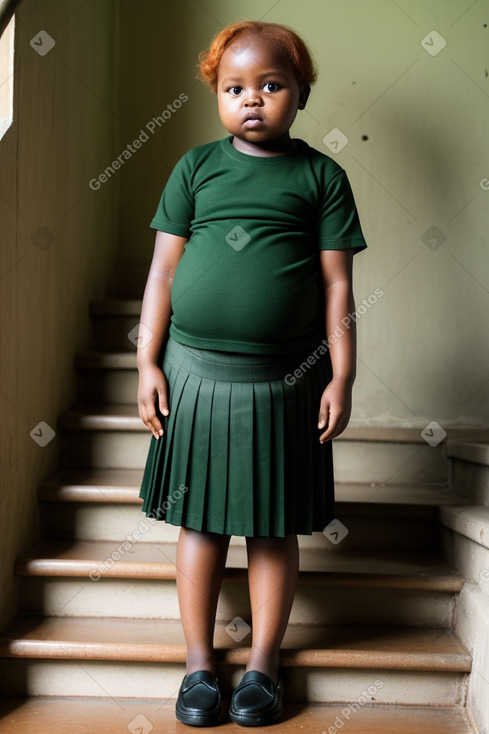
[252, 697]
[200, 696]
[199, 699]
[257, 701]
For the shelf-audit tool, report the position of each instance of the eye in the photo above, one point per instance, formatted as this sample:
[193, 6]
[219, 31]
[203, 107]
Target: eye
[271, 87]
[235, 91]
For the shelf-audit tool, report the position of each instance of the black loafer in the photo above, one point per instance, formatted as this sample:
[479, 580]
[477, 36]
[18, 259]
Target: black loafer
[257, 701]
[199, 700]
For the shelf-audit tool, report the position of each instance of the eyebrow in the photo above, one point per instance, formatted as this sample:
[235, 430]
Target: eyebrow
[264, 75]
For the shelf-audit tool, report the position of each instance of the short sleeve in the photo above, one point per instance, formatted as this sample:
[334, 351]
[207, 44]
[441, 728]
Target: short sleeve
[338, 221]
[175, 210]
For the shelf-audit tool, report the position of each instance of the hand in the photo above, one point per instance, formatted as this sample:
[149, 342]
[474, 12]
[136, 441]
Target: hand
[334, 410]
[152, 391]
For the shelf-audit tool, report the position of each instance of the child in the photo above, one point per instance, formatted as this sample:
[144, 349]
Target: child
[240, 384]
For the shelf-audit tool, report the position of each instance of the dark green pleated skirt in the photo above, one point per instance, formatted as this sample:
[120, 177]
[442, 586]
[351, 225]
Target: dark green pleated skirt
[241, 454]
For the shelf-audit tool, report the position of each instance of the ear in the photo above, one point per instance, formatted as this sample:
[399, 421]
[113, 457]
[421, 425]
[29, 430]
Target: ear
[303, 95]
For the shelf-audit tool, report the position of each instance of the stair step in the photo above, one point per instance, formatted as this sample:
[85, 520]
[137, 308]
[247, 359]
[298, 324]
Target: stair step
[92, 485]
[112, 436]
[469, 464]
[469, 521]
[115, 417]
[47, 715]
[94, 360]
[476, 452]
[57, 578]
[107, 377]
[100, 504]
[112, 321]
[116, 307]
[53, 646]
[156, 640]
[157, 561]
[122, 486]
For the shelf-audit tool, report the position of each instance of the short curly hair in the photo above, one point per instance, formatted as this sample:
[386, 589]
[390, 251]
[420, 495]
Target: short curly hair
[289, 42]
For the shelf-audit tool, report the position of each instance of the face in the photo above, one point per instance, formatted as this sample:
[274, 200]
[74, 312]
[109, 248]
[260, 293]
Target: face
[258, 95]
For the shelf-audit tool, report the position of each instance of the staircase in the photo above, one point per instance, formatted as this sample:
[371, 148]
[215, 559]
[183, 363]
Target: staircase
[371, 644]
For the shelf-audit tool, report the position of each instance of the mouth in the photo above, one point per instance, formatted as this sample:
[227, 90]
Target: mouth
[252, 120]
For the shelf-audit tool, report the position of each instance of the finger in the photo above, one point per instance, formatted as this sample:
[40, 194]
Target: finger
[324, 417]
[150, 419]
[336, 426]
[163, 402]
[327, 435]
[330, 425]
[155, 427]
[146, 411]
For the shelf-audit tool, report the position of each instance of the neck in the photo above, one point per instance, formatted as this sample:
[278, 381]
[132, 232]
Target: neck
[280, 146]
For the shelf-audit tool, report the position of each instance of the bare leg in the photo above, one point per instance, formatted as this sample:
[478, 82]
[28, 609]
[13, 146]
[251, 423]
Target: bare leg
[273, 566]
[201, 558]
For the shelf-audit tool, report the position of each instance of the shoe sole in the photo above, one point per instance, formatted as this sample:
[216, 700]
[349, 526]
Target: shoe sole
[264, 719]
[198, 719]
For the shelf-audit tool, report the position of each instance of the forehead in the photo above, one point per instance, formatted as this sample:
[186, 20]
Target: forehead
[248, 53]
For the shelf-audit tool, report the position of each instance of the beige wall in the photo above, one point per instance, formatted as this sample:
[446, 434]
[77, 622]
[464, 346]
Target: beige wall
[423, 351]
[64, 131]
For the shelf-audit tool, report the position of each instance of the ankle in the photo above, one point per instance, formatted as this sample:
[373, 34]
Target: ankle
[197, 662]
[267, 666]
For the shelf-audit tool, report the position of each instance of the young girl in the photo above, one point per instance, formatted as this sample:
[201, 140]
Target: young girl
[245, 381]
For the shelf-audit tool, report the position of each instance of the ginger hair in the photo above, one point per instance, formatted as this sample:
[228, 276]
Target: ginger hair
[288, 41]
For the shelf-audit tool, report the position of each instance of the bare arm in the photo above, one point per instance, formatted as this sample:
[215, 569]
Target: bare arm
[155, 316]
[335, 408]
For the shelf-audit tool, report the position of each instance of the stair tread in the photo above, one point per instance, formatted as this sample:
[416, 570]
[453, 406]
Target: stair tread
[474, 451]
[102, 417]
[123, 485]
[400, 569]
[93, 359]
[49, 715]
[470, 521]
[116, 307]
[162, 640]
[78, 415]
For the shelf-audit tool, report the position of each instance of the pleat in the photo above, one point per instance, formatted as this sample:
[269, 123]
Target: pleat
[239, 500]
[292, 442]
[218, 484]
[277, 508]
[197, 480]
[304, 450]
[151, 478]
[180, 435]
[262, 454]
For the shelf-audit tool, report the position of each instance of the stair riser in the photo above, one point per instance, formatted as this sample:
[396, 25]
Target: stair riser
[105, 449]
[156, 680]
[355, 461]
[148, 599]
[389, 463]
[469, 557]
[110, 333]
[470, 480]
[108, 386]
[118, 522]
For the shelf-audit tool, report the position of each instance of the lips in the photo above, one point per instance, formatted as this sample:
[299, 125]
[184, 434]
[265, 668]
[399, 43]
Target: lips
[252, 120]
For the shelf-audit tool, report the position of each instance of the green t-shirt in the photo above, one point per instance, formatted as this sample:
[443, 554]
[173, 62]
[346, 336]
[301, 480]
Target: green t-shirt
[249, 279]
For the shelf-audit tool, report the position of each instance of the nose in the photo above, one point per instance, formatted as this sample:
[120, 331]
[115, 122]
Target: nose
[253, 99]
